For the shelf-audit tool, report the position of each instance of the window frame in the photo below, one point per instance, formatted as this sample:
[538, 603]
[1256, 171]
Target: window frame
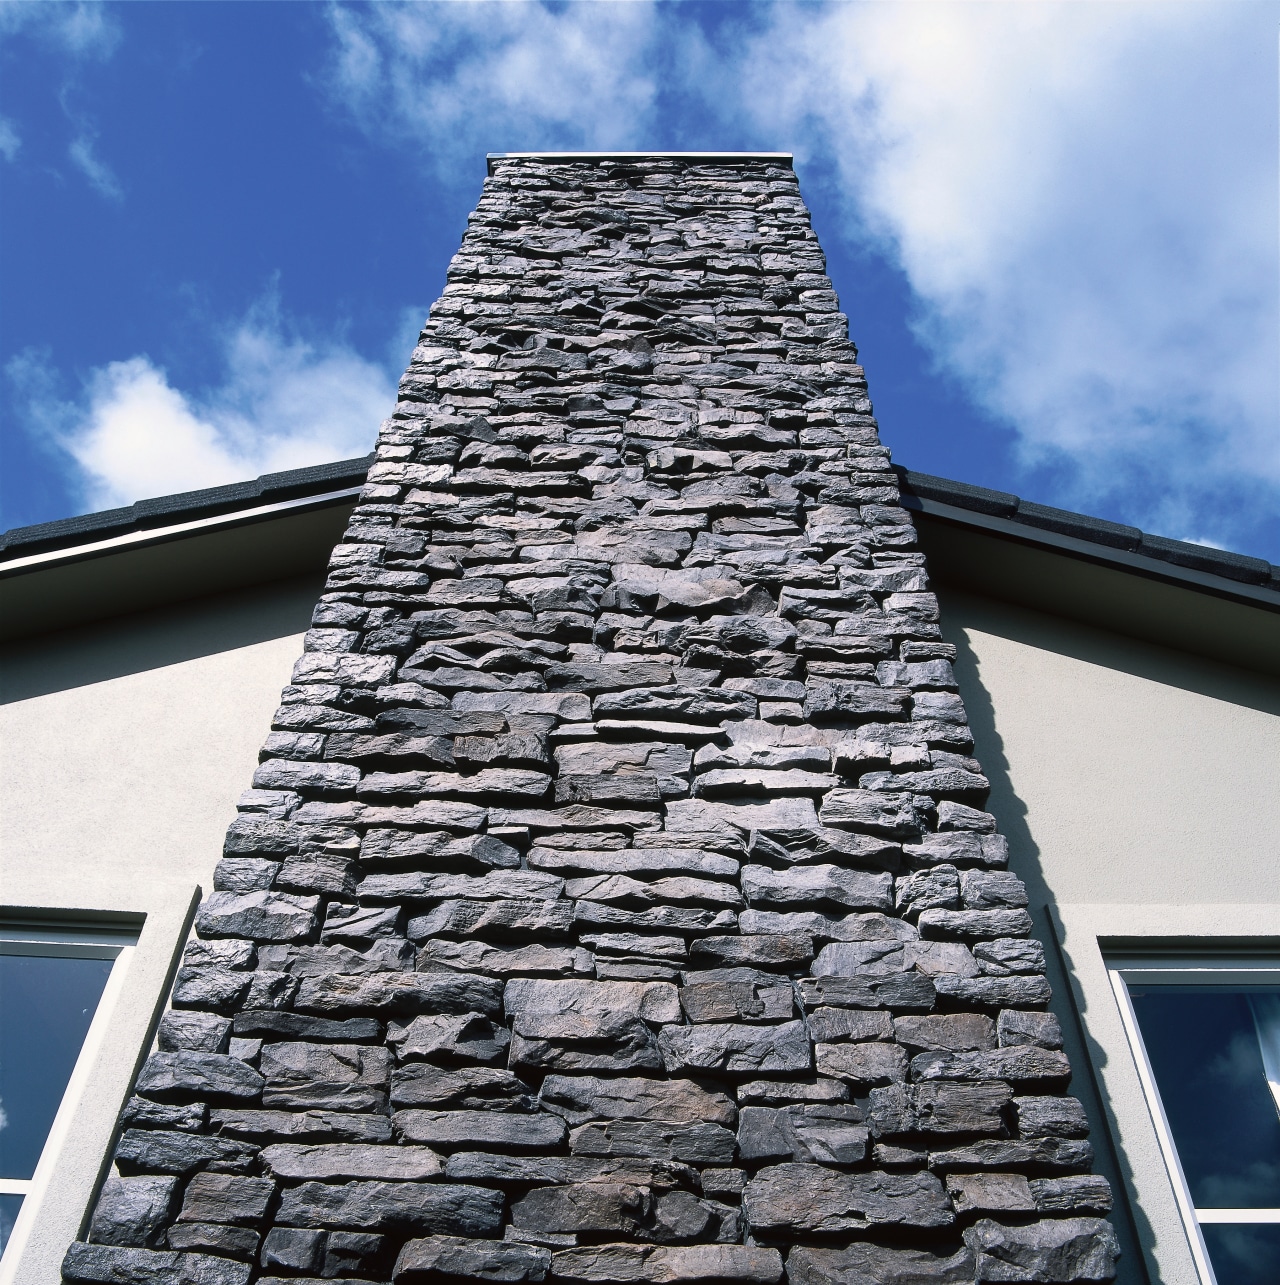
[77, 1154]
[53, 940]
[1192, 968]
[1089, 938]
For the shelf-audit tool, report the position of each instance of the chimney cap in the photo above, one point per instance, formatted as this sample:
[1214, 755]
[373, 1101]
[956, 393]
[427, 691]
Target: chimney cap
[711, 158]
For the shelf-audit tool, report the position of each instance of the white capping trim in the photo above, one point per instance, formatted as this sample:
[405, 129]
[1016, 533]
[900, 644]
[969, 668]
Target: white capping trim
[161, 534]
[781, 158]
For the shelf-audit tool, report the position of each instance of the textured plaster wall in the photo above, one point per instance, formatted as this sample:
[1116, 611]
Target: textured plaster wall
[1122, 773]
[123, 748]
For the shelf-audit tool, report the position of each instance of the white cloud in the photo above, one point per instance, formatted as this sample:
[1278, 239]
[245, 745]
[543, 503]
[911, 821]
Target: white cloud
[455, 80]
[100, 175]
[1083, 199]
[1082, 196]
[10, 142]
[82, 30]
[284, 403]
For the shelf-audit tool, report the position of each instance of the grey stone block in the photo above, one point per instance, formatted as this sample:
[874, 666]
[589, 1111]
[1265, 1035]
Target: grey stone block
[939, 1108]
[945, 1032]
[223, 1198]
[1051, 1117]
[211, 1077]
[163, 1151]
[1061, 1250]
[1022, 1064]
[182, 1029]
[736, 1049]
[215, 1238]
[988, 1193]
[817, 885]
[580, 1099]
[697, 1144]
[326, 1162]
[401, 994]
[1080, 1194]
[786, 952]
[133, 1210]
[450, 1258]
[334, 1077]
[736, 994]
[522, 1171]
[314, 1126]
[258, 916]
[862, 1065]
[112, 1265]
[1014, 1027]
[418, 1084]
[450, 1039]
[493, 1130]
[667, 1265]
[803, 1199]
[455, 1210]
[867, 1264]
[1037, 1155]
[832, 1135]
[295, 1249]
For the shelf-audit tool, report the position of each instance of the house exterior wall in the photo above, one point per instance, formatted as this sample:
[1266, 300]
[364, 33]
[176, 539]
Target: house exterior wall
[1138, 787]
[91, 717]
[123, 748]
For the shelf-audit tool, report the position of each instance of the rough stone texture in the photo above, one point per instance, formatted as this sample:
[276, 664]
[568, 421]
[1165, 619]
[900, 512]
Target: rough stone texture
[614, 900]
[1059, 1250]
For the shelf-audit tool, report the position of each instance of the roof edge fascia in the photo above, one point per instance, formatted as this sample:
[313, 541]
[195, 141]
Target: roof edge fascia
[1259, 596]
[167, 534]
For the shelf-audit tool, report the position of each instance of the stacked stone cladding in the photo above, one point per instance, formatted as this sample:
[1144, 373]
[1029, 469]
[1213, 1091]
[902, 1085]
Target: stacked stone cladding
[614, 900]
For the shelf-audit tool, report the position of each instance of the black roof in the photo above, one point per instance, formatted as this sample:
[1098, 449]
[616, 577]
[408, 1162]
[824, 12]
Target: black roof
[187, 506]
[274, 488]
[1098, 531]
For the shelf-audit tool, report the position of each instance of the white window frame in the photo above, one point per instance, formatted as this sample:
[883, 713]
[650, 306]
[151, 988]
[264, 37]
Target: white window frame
[77, 1153]
[65, 941]
[1092, 936]
[1209, 970]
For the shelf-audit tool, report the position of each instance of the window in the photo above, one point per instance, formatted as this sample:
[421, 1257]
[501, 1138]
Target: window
[53, 980]
[1206, 1037]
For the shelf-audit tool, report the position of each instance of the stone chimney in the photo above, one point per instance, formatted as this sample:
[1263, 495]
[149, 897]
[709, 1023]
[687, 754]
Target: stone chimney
[614, 902]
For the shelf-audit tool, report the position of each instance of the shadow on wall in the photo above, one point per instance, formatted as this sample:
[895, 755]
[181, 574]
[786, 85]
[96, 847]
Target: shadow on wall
[154, 639]
[1011, 814]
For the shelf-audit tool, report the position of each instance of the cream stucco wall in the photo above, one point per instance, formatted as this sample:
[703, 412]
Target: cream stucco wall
[123, 749]
[1140, 791]
[1130, 773]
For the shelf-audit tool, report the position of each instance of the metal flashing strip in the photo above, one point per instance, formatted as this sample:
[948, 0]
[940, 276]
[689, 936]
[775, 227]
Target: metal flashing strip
[1100, 554]
[163, 535]
[710, 158]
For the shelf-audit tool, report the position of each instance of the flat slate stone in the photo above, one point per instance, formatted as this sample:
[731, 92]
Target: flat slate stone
[808, 1198]
[455, 1210]
[667, 1265]
[499, 1130]
[324, 1162]
[111, 1265]
[446, 1258]
[867, 1264]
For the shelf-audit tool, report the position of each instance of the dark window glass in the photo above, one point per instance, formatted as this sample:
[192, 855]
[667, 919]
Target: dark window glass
[1244, 1254]
[9, 1206]
[46, 1005]
[1203, 1047]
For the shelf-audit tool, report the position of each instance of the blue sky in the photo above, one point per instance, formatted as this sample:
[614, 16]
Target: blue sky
[1053, 226]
